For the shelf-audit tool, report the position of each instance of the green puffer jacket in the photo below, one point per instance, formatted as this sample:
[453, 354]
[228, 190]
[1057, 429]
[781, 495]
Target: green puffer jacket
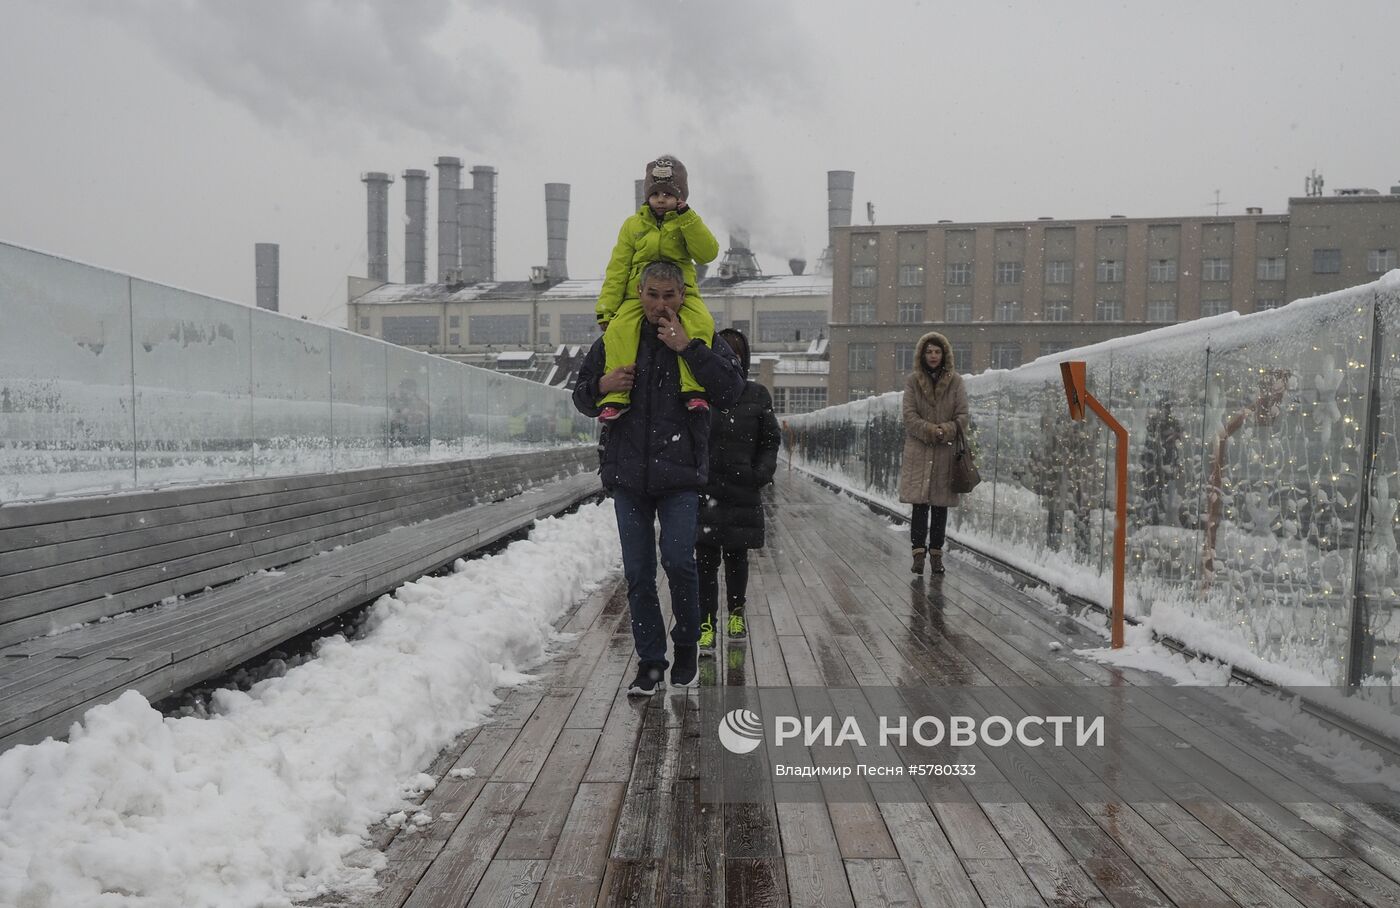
[680, 238]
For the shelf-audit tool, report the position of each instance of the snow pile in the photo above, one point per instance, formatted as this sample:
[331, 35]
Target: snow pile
[1140, 651]
[269, 800]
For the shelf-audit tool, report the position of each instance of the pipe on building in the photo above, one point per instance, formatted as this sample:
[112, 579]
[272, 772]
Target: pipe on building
[556, 221]
[472, 214]
[415, 232]
[377, 190]
[266, 268]
[639, 190]
[484, 182]
[448, 236]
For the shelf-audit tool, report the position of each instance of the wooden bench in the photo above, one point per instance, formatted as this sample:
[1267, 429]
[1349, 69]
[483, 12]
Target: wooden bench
[180, 567]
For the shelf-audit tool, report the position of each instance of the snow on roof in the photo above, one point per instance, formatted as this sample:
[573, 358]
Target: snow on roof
[515, 356]
[425, 293]
[769, 285]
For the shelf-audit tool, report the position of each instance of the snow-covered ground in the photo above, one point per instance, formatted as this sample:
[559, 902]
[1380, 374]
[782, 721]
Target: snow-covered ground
[269, 799]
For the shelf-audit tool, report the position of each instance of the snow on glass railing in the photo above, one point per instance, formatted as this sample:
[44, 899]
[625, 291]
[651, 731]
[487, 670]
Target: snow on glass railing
[110, 383]
[1295, 412]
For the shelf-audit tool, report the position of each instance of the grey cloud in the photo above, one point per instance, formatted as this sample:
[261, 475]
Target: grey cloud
[379, 63]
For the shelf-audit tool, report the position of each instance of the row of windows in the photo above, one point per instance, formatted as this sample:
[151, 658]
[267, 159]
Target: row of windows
[798, 400]
[1110, 271]
[860, 358]
[1054, 311]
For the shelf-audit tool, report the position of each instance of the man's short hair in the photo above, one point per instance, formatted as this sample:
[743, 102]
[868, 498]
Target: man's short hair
[668, 272]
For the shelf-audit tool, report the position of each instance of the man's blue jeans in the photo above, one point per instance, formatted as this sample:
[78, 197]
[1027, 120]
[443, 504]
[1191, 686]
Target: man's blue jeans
[636, 527]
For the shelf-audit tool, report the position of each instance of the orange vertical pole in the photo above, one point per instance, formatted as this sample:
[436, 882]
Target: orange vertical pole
[1120, 523]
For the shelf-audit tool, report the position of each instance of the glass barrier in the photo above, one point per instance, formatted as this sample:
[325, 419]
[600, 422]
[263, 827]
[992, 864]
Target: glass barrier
[1262, 480]
[114, 383]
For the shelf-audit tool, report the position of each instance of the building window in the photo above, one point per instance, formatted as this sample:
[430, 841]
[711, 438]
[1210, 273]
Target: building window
[1215, 307]
[904, 357]
[860, 393]
[911, 275]
[962, 356]
[1059, 272]
[1215, 270]
[1110, 271]
[543, 338]
[862, 313]
[577, 328]
[454, 339]
[741, 325]
[1006, 355]
[1379, 261]
[544, 320]
[798, 400]
[911, 313]
[1057, 310]
[1269, 268]
[1161, 310]
[1009, 311]
[454, 321]
[959, 274]
[364, 323]
[499, 329]
[863, 276]
[1263, 305]
[1327, 261]
[790, 326]
[1008, 272]
[958, 312]
[1162, 271]
[412, 330]
[1050, 348]
[1108, 310]
[860, 357]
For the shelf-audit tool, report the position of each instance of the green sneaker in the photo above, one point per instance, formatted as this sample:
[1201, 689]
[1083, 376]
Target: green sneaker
[707, 636]
[736, 627]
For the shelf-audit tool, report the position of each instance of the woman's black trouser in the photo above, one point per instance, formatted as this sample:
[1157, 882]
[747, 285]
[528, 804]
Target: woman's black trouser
[736, 577]
[920, 529]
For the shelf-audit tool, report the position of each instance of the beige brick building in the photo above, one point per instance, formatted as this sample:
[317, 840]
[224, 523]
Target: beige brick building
[1006, 293]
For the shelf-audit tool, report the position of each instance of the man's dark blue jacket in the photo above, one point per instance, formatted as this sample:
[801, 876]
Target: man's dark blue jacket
[659, 447]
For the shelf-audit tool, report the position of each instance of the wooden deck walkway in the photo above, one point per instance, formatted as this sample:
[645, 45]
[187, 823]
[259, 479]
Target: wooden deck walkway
[574, 795]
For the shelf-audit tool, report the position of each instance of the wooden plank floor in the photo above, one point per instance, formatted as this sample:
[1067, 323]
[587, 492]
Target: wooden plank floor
[575, 795]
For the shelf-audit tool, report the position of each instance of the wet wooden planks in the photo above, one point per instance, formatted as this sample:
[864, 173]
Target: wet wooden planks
[583, 796]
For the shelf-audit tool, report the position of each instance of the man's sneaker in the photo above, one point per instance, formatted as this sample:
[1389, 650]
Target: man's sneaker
[684, 670]
[647, 681]
[707, 636]
[737, 630]
[612, 413]
[695, 403]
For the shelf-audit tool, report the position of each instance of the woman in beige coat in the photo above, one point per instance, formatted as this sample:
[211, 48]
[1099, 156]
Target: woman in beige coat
[935, 411]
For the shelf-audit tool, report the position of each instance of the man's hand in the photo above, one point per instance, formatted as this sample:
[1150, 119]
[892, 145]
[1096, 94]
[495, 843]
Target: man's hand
[619, 379]
[671, 331]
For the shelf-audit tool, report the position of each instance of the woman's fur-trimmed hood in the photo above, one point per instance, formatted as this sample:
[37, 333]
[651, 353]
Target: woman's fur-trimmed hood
[948, 369]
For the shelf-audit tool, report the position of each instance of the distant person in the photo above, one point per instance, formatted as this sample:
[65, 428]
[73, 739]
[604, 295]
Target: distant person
[935, 412]
[744, 441]
[666, 229]
[655, 464]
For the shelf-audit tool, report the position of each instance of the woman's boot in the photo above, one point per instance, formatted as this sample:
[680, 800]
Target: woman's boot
[935, 565]
[918, 567]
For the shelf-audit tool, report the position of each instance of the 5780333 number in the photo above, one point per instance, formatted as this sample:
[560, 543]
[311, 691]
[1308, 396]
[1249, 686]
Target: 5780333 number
[942, 769]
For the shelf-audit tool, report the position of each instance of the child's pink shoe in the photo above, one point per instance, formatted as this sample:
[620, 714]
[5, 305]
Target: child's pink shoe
[611, 413]
[697, 403]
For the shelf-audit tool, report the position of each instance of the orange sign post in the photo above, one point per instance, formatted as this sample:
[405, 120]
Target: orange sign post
[1075, 376]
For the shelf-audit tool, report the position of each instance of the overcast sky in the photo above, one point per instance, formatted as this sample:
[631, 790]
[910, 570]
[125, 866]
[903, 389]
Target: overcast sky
[164, 138]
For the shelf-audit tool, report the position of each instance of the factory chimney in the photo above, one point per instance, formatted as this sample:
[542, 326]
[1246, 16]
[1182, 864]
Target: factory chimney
[448, 235]
[840, 187]
[471, 215]
[484, 182]
[377, 186]
[639, 187]
[266, 268]
[556, 221]
[415, 231]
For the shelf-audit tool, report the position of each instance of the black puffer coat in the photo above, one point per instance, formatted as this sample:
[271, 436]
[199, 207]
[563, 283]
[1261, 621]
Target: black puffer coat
[659, 447]
[744, 444]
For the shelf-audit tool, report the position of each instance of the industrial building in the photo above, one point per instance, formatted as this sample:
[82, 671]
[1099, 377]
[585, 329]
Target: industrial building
[1008, 292]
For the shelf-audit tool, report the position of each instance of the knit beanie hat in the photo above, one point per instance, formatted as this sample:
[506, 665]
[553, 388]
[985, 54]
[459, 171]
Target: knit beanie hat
[666, 174]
